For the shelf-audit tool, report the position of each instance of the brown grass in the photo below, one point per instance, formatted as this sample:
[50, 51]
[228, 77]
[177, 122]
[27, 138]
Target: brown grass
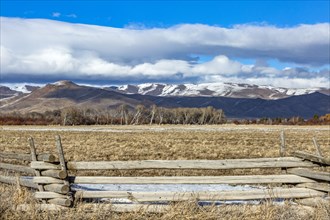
[167, 143]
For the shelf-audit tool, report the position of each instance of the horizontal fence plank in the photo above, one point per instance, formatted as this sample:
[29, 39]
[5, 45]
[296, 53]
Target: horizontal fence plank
[17, 168]
[274, 193]
[312, 157]
[285, 162]
[20, 180]
[40, 165]
[251, 179]
[47, 158]
[27, 157]
[60, 174]
[49, 195]
[58, 188]
[46, 180]
[325, 176]
[317, 186]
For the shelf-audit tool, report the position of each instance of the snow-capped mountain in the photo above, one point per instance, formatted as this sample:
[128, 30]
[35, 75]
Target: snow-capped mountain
[66, 94]
[217, 89]
[233, 90]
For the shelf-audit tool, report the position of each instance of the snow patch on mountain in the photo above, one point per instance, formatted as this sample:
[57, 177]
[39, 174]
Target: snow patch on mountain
[292, 92]
[22, 87]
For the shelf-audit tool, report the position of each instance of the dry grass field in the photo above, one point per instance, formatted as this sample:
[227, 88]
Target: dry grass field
[93, 143]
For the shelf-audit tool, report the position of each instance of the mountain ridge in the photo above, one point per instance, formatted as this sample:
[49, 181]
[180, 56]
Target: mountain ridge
[234, 90]
[64, 94]
[222, 89]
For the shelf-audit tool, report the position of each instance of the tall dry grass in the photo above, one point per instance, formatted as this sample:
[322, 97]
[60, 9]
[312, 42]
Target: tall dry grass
[168, 142]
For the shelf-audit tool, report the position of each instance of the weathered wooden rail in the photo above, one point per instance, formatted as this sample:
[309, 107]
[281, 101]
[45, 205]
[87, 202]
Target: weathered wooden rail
[200, 195]
[205, 196]
[233, 180]
[17, 168]
[285, 162]
[51, 179]
[20, 180]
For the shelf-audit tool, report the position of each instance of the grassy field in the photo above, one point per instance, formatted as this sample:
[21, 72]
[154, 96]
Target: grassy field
[92, 143]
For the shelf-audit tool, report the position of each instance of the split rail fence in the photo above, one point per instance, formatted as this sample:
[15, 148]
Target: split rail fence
[49, 177]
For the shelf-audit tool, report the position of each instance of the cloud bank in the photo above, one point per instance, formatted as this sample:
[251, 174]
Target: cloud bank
[40, 48]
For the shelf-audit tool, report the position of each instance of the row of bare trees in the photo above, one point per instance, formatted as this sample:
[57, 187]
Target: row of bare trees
[123, 115]
[126, 115]
[160, 115]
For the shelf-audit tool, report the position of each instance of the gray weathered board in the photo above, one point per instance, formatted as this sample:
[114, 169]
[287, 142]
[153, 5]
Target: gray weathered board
[273, 193]
[285, 162]
[20, 180]
[317, 186]
[312, 157]
[17, 168]
[324, 176]
[246, 179]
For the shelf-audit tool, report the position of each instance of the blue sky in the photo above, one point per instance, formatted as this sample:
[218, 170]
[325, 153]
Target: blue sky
[279, 43]
[168, 13]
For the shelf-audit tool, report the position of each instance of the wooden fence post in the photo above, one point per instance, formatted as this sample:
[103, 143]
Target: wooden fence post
[60, 154]
[34, 158]
[63, 168]
[282, 149]
[317, 146]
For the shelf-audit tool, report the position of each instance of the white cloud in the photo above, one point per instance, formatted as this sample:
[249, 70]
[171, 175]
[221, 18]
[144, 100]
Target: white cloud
[52, 49]
[98, 66]
[162, 68]
[219, 65]
[56, 14]
[307, 44]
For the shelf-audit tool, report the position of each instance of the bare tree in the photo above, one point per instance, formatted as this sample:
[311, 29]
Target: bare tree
[153, 113]
[139, 110]
[123, 111]
[161, 115]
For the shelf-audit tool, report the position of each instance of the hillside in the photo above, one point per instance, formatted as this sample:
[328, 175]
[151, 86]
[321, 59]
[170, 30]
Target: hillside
[64, 94]
[304, 105]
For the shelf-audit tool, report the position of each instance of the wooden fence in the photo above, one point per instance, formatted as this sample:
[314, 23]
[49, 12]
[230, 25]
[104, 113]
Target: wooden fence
[53, 184]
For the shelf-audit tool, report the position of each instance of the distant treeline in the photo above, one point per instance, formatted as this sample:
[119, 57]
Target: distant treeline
[316, 120]
[123, 115]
